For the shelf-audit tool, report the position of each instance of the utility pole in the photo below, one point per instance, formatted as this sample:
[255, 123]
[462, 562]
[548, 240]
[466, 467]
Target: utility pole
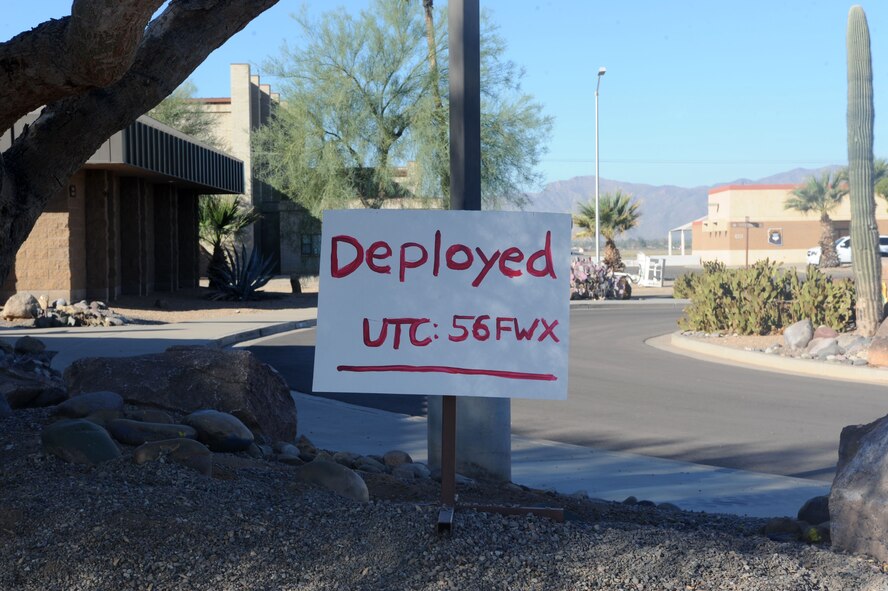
[483, 441]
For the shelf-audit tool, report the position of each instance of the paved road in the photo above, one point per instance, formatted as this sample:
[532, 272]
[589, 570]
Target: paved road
[626, 395]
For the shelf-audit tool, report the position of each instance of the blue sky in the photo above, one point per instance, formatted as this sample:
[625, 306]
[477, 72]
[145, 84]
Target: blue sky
[696, 92]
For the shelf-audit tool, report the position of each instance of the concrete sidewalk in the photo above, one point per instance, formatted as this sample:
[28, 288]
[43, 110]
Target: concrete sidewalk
[140, 339]
[566, 468]
[535, 463]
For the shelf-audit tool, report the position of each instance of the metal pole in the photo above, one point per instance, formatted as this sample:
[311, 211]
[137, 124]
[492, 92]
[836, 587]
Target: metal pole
[747, 242]
[601, 72]
[597, 229]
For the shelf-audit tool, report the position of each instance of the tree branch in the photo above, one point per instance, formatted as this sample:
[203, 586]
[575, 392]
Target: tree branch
[89, 49]
[70, 130]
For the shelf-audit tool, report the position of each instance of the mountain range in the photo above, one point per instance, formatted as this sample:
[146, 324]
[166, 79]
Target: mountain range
[662, 207]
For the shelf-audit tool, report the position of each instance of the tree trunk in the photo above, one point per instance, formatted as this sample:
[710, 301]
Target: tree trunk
[828, 256]
[612, 259]
[45, 155]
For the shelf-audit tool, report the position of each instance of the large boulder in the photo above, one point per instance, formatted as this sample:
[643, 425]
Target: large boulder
[19, 306]
[797, 336]
[220, 431]
[858, 501]
[79, 442]
[186, 379]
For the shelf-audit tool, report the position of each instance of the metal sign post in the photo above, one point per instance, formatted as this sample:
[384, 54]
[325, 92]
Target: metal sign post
[747, 225]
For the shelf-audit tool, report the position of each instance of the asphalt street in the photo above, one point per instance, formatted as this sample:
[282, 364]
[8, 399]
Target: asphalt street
[627, 396]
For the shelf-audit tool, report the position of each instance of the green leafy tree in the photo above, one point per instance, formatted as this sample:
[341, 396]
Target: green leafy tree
[821, 195]
[619, 214]
[366, 95]
[180, 111]
[221, 221]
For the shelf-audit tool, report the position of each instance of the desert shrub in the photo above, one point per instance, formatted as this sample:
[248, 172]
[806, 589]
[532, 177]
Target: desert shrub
[240, 276]
[685, 285]
[764, 298]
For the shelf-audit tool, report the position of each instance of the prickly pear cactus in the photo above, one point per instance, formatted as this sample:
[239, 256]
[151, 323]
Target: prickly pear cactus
[864, 231]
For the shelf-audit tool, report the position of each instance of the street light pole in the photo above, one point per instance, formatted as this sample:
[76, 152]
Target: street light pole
[601, 72]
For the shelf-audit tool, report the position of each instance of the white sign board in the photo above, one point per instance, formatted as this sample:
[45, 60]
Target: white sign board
[460, 303]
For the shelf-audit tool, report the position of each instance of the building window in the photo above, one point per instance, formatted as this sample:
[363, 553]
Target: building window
[311, 245]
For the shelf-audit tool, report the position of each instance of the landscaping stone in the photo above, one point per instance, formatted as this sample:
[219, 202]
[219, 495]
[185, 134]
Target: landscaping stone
[20, 306]
[284, 448]
[33, 394]
[79, 442]
[815, 510]
[396, 457]
[821, 348]
[86, 404]
[103, 417]
[150, 415]
[825, 332]
[290, 460]
[220, 431]
[334, 477]
[5, 409]
[186, 379]
[368, 464]
[858, 500]
[798, 335]
[877, 353]
[782, 529]
[186, 452]
[345, 458]
[29, 346]
[412, 470]
[136, 432]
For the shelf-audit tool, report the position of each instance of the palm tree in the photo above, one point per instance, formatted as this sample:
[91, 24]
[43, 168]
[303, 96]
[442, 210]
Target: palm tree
[222, 219]
[618, 214]
[821, 195]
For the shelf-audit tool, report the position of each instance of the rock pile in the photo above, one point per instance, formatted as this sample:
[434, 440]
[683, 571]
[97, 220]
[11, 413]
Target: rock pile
[27, 379]
[46, 314]
[802, 341]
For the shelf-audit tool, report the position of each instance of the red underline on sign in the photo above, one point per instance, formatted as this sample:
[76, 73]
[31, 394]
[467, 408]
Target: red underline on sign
[496, 373]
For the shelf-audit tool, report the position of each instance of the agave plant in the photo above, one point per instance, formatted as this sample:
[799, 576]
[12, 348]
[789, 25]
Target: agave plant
[241, 276]
[222, 219]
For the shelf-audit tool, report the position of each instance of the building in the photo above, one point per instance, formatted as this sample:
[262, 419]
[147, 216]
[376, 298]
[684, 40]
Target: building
[285, 233]
[747, 223]
[127, 221]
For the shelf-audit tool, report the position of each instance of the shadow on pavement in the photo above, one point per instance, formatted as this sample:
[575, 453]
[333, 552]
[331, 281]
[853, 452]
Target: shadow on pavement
[296, 364]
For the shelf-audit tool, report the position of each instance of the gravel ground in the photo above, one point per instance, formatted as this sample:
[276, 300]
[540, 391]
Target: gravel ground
[159, 526]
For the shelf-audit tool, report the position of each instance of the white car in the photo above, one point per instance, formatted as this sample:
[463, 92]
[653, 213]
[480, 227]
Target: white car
[843, 249]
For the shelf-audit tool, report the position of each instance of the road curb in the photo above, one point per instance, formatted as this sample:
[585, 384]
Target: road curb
[265, 331]
[677, 343]
[649, 300]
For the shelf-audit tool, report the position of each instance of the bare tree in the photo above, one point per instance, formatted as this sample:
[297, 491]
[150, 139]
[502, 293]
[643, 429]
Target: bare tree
[94, 72]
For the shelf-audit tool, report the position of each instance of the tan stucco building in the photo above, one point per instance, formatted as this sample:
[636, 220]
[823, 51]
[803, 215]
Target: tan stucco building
[751, 221]
[127, 221]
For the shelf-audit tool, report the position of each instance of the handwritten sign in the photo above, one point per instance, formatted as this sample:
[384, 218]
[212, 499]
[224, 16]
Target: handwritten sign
[461, 303]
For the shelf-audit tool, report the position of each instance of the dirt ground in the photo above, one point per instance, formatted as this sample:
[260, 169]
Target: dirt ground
[194, 304]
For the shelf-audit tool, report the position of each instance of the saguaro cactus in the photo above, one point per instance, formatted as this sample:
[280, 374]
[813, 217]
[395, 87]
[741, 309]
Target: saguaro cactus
[864, 231]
